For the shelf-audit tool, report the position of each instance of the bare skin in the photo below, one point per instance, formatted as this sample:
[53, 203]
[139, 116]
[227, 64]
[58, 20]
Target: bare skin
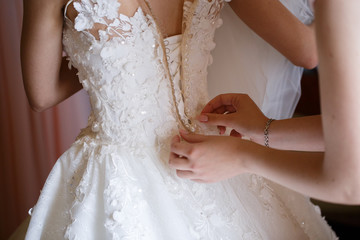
[215, 158]
[246, 119]
[332, 175]
[48, 81]
[339, 50]
[295, 40]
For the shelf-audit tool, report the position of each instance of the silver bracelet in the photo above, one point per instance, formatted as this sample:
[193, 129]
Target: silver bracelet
[266, 132]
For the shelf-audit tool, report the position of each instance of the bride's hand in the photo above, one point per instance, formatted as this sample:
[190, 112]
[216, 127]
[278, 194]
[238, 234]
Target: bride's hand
[209, 158]
[236, 111]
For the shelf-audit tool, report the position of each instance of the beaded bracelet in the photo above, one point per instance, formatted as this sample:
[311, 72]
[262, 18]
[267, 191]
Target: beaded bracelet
[266, 132]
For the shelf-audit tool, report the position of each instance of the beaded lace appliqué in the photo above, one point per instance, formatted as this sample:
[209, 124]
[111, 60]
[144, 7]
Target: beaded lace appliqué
[121, 66]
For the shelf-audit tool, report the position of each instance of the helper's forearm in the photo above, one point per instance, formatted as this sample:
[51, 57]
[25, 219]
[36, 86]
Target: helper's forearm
[304, 172]
[338, 37]
[300, 134]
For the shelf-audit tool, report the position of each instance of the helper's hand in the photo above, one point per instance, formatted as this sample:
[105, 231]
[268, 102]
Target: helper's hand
[209, 158]
[236, 111]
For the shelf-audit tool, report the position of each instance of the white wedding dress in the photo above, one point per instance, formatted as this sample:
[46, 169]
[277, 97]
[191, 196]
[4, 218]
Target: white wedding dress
[114, 181]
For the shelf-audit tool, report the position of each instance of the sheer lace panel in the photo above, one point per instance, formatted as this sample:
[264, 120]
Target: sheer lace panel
[103, 19]
[113, 18]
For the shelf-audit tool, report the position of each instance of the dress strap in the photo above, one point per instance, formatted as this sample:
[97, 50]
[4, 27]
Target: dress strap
[66, 7]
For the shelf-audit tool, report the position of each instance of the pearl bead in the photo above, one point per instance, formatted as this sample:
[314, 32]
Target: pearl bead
[95, 127]
[113, 203]
[116, 216]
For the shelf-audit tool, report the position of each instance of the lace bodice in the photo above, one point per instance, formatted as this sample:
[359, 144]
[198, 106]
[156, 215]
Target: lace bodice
[124, 66]
[113, 182]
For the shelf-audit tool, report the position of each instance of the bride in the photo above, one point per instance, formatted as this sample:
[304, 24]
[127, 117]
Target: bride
[143, 65]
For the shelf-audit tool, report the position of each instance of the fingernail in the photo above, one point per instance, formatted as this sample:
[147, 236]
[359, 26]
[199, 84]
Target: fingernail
[182, 131]
[203, 118]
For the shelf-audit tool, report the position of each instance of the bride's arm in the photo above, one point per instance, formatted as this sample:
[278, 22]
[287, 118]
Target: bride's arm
[246, 119]
[280, 28]
[47, 79]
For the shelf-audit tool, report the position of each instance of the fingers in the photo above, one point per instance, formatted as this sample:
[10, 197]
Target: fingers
[220, 101]
[175, 139]
[178, 159]
[193, 138]
[200, 181]
[217, 102]
[182, 150]
[222, 109]
[192, 176]
[227, 120]
[234, 133]
[182, 166]
[178, 148]
[185, 148]
[180, 163]
[221, 129]
[184, 174]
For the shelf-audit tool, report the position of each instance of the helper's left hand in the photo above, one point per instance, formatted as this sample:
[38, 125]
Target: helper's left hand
[208, 158]
[236, 111]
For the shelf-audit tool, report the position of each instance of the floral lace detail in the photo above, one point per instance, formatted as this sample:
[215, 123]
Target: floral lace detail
[117, 183]
[113, 119]
[125, 44]
[199, 29]
[91, 12]
[212, 216]
[138, 48]
[273, 201]
[262, 188]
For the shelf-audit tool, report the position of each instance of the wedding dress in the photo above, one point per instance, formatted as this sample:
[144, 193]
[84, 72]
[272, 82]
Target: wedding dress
[114, 181]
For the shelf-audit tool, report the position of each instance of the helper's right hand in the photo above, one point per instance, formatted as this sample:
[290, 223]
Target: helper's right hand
[236, 111]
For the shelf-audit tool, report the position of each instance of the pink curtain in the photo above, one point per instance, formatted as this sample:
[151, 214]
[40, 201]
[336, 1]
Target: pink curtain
[30, 142]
